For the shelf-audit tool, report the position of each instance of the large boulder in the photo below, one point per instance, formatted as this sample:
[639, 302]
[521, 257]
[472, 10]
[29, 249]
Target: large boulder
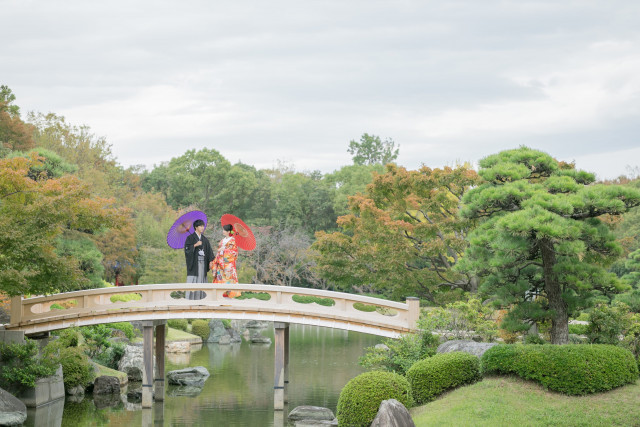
[255, 337]
[106, 385]
[195, 376]
[179, 347]
[471, 347]
[311, 413]
[12, 411]
[392, 414]
[132, 362]
[222, 335]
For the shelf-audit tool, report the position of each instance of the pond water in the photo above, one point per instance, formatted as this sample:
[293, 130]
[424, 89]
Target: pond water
[239, 391]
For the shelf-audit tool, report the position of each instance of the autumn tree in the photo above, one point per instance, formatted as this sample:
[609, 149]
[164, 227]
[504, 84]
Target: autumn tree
[349, 181]
[371, 150]
[403, 236]
[14, 133]
[33, 215]
[541, 246]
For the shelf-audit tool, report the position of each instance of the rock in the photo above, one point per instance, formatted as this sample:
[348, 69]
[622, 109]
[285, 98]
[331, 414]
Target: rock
[185, 390]
[257, 324]
[178, 347]
[189, 376]
[311, 413]
[392, 414]
[12, 411]
[103, 401]
[106, 385]
[257, 338]
[132, 363]
[225, 340]
[75, 391]
[381, 347]
[217, 330]
[471, 347]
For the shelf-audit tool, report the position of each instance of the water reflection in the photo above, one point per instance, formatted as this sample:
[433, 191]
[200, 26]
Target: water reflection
[239, 391]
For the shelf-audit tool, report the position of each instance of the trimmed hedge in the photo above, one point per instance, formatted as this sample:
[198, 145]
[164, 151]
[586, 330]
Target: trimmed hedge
[574, 369]
[201, 329]
[360, 399]
[433, 376]
[180, 324]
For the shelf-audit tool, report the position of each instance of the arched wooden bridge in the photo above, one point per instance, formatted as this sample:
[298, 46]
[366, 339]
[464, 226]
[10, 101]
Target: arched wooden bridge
[154, 304]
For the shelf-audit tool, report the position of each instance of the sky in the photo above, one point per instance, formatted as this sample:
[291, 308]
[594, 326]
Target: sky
[294, 81]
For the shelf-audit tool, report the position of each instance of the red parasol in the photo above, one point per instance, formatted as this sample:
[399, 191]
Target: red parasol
[243, 234]
[183, 226]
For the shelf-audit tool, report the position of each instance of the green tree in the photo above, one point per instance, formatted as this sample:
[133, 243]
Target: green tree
[349, 181]
[372, 150]
[402, 237]
[541, 247]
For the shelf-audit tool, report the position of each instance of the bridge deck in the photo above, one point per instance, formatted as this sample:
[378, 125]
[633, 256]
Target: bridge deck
[161, 302]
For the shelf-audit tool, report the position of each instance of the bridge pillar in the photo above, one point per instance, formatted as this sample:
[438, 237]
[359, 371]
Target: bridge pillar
[147, 372]
[413, 304]
[281, 364]
[159, 381]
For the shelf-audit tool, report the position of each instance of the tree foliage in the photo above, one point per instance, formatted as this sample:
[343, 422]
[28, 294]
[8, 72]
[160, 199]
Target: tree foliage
[403, 236]
[33, 214]
[14, 133]
[541, 246]
[371, 150]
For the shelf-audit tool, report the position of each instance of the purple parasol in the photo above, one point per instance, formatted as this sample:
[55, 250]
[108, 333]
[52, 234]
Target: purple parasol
[183, 226]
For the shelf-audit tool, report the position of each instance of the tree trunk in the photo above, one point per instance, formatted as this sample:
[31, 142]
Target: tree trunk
[560, 320]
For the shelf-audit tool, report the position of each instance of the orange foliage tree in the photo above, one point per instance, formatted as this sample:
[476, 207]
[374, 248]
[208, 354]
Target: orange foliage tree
[403, 236]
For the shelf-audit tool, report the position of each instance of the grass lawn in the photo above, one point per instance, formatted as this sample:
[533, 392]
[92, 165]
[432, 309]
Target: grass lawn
[173, 335]
[103, 370]
[500, 401]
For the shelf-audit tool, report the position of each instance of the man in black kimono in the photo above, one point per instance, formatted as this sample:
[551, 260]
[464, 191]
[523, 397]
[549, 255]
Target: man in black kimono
[198, 254]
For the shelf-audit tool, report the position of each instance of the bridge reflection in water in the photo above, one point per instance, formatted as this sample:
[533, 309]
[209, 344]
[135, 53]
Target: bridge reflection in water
[154, 304]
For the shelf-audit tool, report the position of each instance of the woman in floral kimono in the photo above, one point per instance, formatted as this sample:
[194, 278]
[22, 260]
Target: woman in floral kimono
[224, 264]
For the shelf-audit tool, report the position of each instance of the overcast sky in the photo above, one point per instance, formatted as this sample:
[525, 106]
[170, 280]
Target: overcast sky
[296, 80]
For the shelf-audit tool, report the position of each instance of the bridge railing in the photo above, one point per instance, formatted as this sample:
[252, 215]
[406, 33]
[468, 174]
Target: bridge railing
[294, 301]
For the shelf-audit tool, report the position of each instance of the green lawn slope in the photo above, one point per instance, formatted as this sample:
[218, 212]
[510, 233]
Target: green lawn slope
[498, 401]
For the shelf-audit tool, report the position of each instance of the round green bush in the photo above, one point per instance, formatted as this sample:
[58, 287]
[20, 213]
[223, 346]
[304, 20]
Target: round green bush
[201, 329]
[180, 324]
[574, 369]
[433, 376]
[360, 399]
[76, 368]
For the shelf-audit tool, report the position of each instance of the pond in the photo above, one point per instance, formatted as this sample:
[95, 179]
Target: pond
[239, 391]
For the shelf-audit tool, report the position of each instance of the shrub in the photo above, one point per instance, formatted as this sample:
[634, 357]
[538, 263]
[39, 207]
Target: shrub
[21, 365]
[226, 323]
[111, 356]
[131, 296]
[402, 352]
[606, 323]
[263, 296]
[200, 328]
[462, 320]
[76, 368]
[180, 324]
[96, 338]
[125, 327]
[433, 376]
[308, 299]
[572, 369]
[533, 339]
[360, 399]
[577, 329]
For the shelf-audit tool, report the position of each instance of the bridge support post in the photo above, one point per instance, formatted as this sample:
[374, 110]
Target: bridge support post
[281, 361]
[160, 344]
[413, 304]
[16, 310]
[286, 363]
[147, 372]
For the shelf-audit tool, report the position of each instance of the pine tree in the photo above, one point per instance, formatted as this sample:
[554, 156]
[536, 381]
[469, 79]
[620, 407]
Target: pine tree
[541, 247]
